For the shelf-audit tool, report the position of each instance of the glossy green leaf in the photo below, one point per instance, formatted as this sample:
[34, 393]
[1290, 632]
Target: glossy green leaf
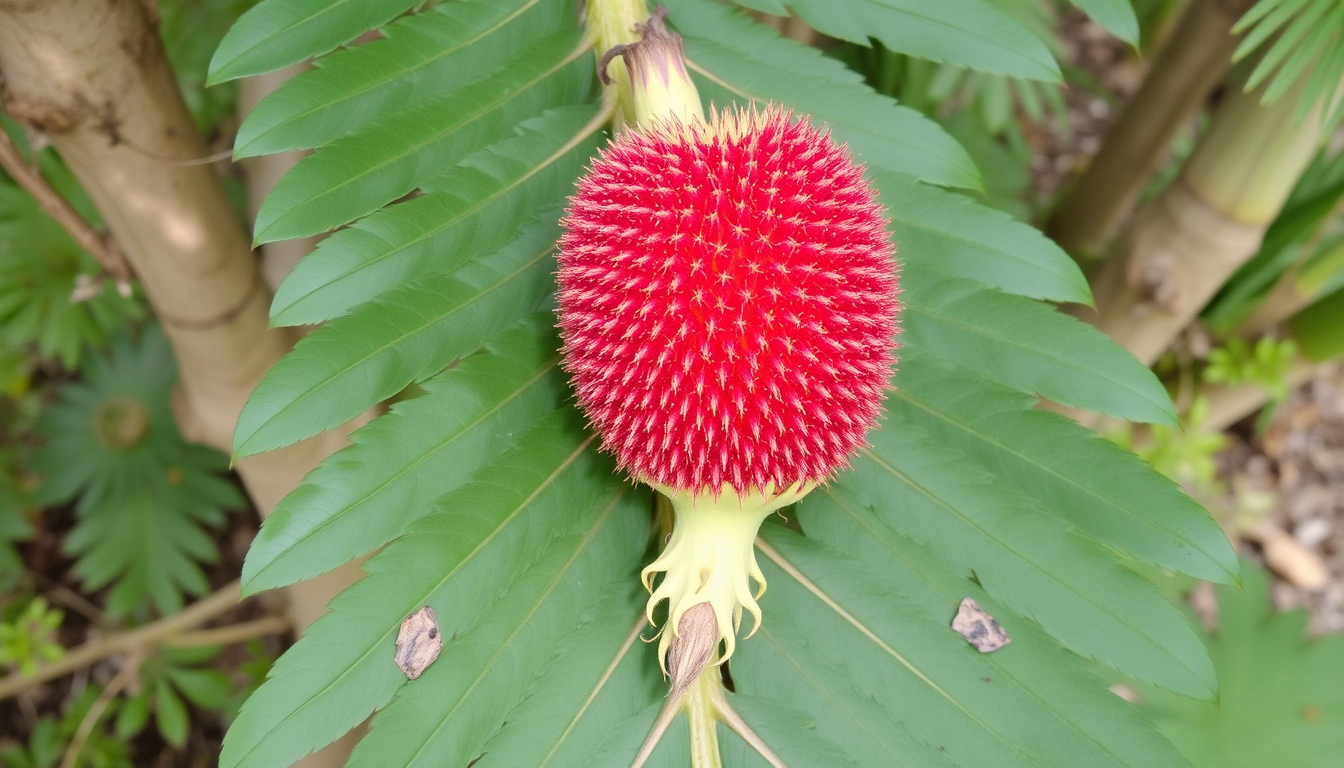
[472, 210]
[735, 59]
[1058, 464]
[954, 233]
[277, 33]
[514, 562]
[388, 159]
[402, 337]
[1027, 346]
[452, 717]
[366, 495]
[423, 57]
[971, 33]
[1027, 560]
[857, 635]
[619, 711]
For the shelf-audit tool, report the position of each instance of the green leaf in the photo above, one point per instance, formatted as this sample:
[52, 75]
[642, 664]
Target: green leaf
[513, 562]
[1021, 344]
[405, 336]
[1289, 36]
[734, 59]
[39, 266]
[423, 56]
[1117, 16]
[954, 233]
[857, 635]
[1027, 561]
[207, 688]
[277, 33]
[596, 700]
[971, 33]
[1316, 328]
[145, 497]
[133, 717]
[170, 714]
[1057, 463]
[475, 209]
[388, 159]
[785, 730]
[452, 718]
[366, 495]
[1282, 699]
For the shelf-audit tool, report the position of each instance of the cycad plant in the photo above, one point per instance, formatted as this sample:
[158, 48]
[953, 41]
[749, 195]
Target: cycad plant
[1200, 235]
[443, 153]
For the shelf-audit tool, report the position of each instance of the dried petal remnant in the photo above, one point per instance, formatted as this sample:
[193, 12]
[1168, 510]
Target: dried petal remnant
[979, 628]
[418, 642]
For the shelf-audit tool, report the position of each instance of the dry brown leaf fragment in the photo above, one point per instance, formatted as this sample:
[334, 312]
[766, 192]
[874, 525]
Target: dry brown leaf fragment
[979, 628]
[419, 642]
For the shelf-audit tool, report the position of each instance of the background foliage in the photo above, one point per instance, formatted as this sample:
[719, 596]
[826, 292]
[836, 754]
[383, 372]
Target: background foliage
[497, 511]
[444, 140]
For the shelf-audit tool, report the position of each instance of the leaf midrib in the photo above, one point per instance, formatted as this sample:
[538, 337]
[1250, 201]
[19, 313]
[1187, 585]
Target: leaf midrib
[523, 621]
[597, 689]
[300, 22]
[961, 31]
[403, 72]
[1008, 341]
[376, 644]
[802, 671]
[904, 394]
[505, 95]
[1066, 586]
[849, 124]
[793, 571]
[569, 146]
[424, 457]
[434, 319]
[1022, 686]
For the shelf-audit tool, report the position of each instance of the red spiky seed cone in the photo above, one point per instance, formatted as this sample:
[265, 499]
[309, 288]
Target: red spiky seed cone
[728, 310]
[728, 303]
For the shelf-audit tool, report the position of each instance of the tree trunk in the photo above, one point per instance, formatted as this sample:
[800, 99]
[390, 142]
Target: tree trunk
[1189, 66]
[1189, 240]
[93, 77]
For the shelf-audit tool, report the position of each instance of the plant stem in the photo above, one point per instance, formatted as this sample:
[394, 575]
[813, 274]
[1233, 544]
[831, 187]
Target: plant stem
[1187, 69]
[100, 245]
[701, 716]
[725, 712]
[100, 705]
[236, 633]
[1189, 240]
[147, 636]
[611, 23]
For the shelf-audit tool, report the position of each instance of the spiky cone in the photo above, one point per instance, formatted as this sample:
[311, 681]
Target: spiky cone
[728, 307]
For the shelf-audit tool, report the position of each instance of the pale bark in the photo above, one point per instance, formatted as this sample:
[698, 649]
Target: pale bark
[1187, 69]
[1177, 254]
[94, 78]
[1189, 240]
[262, 173]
